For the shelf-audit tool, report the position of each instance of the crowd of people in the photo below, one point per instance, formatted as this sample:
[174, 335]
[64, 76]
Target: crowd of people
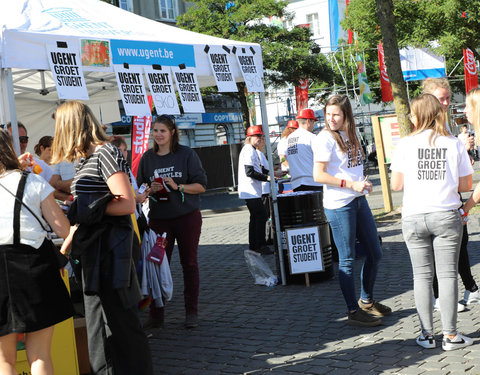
[89, 174]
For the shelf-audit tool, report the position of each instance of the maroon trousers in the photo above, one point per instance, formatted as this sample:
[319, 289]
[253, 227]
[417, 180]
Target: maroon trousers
[186, 231]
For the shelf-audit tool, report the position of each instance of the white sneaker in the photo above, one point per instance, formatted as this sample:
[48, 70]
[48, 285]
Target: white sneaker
[436, 306]
[458, 342]
[427, 342]
[470, 298]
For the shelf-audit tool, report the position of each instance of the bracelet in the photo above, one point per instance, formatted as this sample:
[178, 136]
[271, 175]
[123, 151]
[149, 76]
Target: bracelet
[183, 195]
[462, 212]
[343, 183]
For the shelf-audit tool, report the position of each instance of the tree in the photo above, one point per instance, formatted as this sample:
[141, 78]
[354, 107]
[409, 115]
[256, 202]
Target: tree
[392, 62]
[288, 55]
[445, 26]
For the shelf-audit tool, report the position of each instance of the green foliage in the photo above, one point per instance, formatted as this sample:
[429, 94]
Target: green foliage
[288, 55]
[452, 24]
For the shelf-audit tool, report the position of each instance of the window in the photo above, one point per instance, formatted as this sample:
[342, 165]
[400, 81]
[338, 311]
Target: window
[312, 20]
[126, 4]
[168, 9]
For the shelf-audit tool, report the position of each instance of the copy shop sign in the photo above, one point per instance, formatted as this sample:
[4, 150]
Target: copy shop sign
[66, 67]
[304, 250]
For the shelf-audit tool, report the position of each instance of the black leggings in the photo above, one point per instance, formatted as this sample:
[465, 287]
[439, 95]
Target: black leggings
[463, 267]
[256, 227]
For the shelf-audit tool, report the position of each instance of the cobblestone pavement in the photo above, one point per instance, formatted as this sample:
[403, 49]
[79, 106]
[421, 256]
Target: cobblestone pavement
[250, 329]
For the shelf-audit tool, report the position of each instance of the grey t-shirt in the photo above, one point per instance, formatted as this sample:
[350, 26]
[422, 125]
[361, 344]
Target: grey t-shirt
[184, 167]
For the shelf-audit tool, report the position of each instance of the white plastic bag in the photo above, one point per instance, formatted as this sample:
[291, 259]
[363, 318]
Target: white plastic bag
[259, 269]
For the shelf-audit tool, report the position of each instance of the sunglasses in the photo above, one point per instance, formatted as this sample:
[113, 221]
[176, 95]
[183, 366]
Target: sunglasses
[23, 139]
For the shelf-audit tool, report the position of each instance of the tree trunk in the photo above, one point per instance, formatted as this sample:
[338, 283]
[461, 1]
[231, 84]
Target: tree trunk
[243, 102]
[386, 19]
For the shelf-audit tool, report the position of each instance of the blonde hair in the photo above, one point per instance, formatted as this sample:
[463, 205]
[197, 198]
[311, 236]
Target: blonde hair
[76, 129]
[473, 100]
[429, 85]
[429, 114]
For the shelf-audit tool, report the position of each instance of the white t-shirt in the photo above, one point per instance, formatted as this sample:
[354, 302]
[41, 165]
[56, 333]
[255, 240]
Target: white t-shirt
[46, 172]
[36, 190]
[65, 170]
[265, 184]
[249, 188]
[430, 173]
[300, 158]
[341, 165]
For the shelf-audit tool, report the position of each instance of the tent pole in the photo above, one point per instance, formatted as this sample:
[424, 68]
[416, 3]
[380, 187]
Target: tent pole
[273, 187]
[3, 114]
[11, 108]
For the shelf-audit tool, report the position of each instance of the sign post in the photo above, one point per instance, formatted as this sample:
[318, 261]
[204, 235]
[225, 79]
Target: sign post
[386, 133]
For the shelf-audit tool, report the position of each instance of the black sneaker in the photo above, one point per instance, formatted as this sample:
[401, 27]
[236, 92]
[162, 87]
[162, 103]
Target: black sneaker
[153, 323]
[363, 319]
[191, 321]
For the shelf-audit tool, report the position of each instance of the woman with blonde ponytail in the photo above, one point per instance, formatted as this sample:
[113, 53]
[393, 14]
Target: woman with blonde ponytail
[432, 166]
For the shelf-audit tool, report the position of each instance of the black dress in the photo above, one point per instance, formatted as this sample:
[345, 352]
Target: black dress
[33, 295]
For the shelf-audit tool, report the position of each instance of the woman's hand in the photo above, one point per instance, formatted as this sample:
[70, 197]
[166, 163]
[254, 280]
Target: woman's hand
[25, 160]
[155, 186]
[170, 183]
[361, 186]
[140, 198]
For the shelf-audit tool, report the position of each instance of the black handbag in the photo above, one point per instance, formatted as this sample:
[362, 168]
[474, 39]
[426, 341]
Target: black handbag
[62, 260]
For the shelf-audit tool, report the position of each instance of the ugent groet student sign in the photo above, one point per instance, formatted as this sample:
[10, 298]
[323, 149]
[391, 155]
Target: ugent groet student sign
[304, 247]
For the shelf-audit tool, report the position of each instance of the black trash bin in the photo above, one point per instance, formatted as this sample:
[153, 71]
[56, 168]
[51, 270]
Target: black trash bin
[298, 210]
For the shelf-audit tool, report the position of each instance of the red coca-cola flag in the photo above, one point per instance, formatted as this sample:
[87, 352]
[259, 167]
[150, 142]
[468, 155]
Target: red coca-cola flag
[140, 136]
[301, 94]
[470, 66]
[387, 95]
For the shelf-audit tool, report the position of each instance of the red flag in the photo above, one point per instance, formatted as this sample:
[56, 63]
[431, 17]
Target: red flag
[387, 95]
[470, 67]
[301, 94]
[140, 136]
[350, 32]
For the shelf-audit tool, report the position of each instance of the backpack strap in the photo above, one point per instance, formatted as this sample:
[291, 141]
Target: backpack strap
[17, 207]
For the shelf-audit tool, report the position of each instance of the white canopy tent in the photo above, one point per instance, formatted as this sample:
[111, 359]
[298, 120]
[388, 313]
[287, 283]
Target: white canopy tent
[27, 86]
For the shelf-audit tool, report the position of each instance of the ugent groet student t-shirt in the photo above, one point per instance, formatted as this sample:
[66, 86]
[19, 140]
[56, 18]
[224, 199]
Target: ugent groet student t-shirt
[430, 172]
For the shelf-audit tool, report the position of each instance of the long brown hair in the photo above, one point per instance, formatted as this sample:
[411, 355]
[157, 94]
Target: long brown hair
[76, 129]
[429, 114]
[8, 158]
[286, 132]
[343, 102]
[171, 125]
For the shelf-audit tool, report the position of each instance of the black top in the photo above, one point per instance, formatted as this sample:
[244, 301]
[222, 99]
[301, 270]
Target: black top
[184, 167]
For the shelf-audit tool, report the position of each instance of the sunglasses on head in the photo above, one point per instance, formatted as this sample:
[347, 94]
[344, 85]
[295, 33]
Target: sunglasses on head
[23, 139]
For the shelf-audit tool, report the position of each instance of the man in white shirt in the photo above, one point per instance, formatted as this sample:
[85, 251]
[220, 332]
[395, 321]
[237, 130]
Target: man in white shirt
[46, 172]
[300, 153]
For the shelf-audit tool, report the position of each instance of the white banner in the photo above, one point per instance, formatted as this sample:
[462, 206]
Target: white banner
[188, 89]
[65, 63]
[132, 90]
[161, 87]
[249, 70]
[304, 249]
[418, 64]
[219, 59]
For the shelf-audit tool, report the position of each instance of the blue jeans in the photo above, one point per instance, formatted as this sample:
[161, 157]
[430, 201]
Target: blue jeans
[433, 240]
[355, 220]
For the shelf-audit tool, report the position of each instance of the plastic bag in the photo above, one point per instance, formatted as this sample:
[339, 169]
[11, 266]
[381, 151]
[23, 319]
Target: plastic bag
[259, 269]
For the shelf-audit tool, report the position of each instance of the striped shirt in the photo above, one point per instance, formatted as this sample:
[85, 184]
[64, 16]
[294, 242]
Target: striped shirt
[93, 172]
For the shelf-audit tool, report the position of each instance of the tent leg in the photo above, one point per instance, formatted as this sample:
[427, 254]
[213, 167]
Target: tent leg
[11, 108]
[273, 188]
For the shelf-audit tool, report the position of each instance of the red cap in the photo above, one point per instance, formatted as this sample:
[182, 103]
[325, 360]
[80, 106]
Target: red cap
[307, 113]
[254, 130]
[292, 124]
